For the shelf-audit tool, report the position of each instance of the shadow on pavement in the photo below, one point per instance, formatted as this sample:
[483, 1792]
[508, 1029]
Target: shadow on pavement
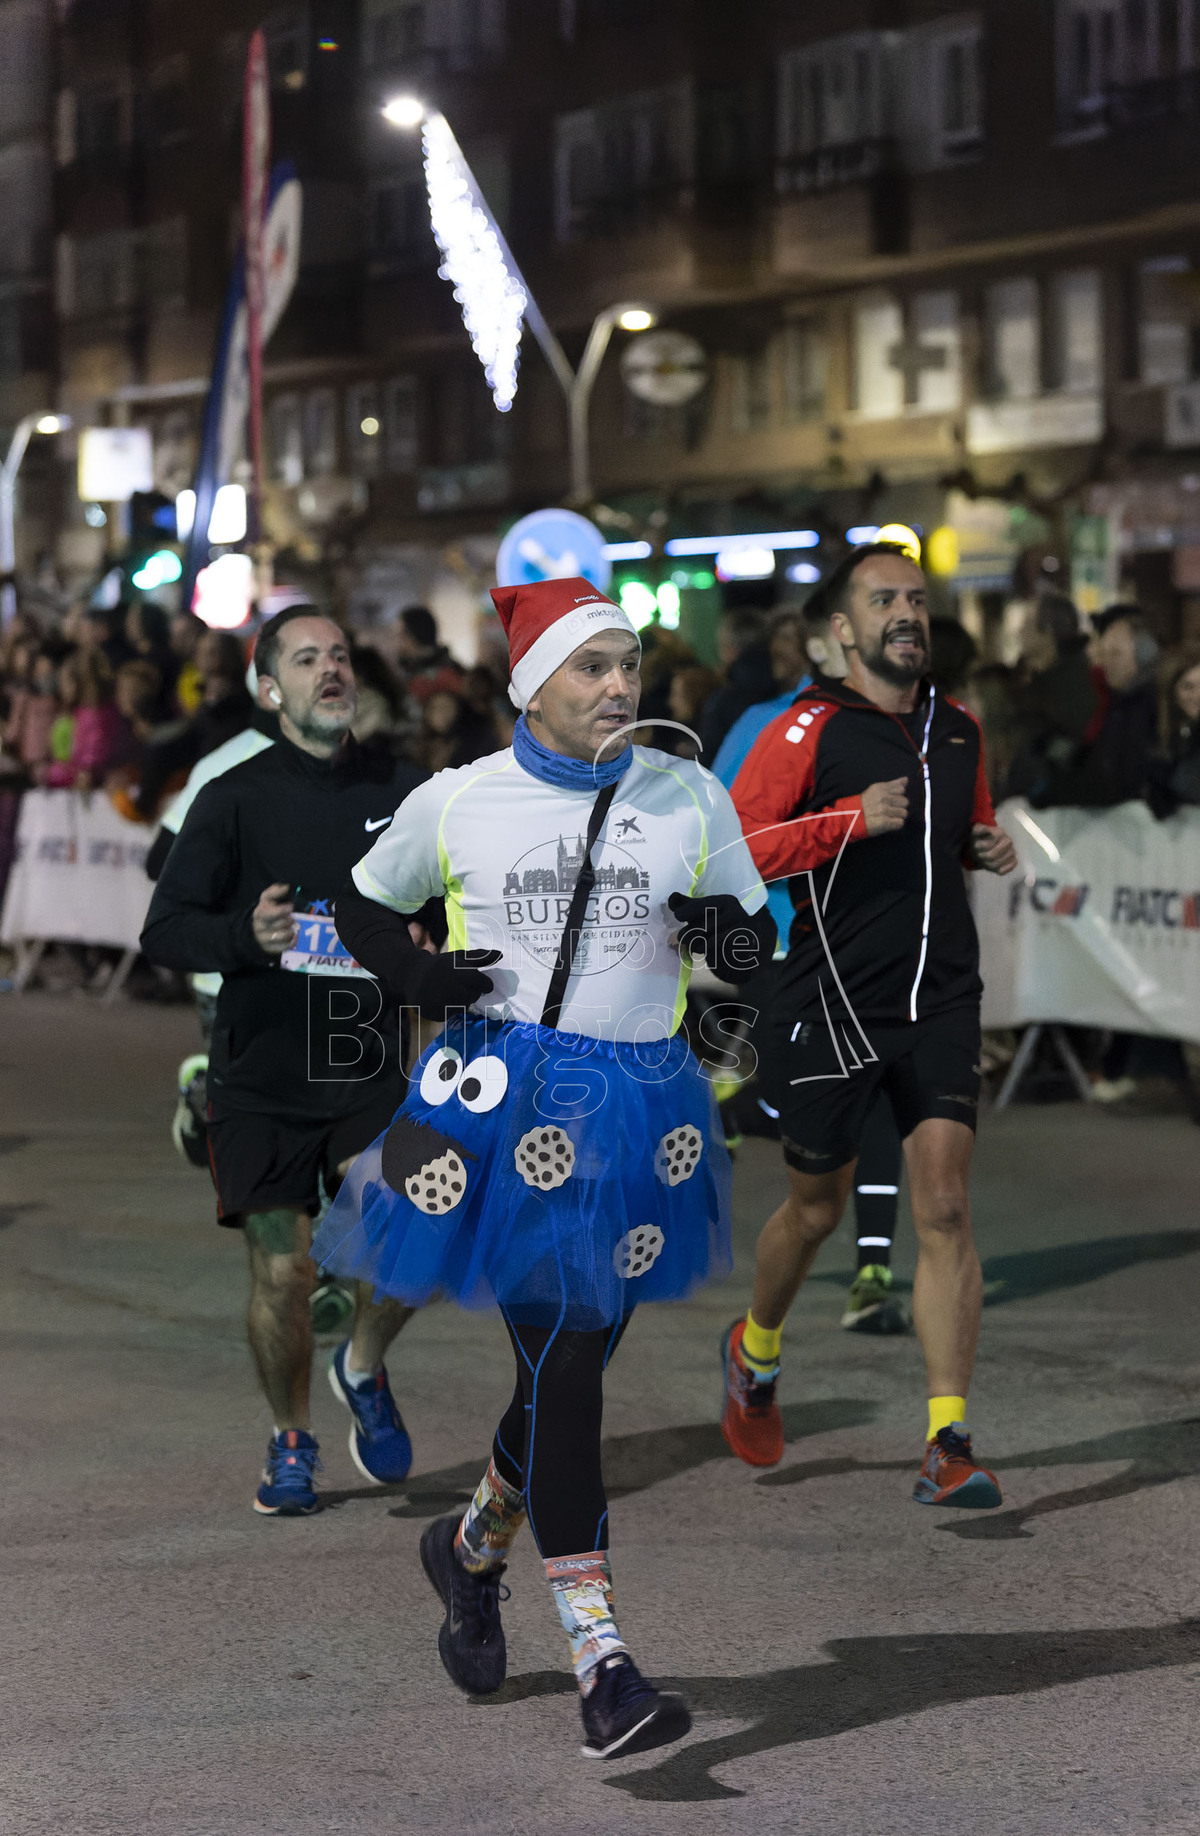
[632, 1462]
[872, 1680]
[1028, 1273]
[1157, 1453]
[1071, 1265]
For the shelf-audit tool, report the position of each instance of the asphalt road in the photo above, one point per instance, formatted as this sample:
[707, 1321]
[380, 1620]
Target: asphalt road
[175, 1664]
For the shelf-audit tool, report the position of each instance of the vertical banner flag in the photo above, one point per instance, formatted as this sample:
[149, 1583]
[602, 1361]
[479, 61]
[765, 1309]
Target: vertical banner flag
[256, 155]
[227, 410]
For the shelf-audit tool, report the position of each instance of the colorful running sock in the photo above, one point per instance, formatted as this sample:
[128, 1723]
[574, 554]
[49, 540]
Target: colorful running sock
[583, 1594]
[489, 1528]
[760, 1348]
[943, 1410]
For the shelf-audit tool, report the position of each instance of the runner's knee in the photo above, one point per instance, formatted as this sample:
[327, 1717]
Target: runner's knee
[942, 1212]
[273, 1234]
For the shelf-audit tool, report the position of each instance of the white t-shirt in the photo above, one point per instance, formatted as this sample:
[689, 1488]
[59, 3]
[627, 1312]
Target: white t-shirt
[504, 849]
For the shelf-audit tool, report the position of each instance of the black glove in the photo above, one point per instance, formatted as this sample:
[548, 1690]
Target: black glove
[438, 985]
[735, 943]
[379, 939]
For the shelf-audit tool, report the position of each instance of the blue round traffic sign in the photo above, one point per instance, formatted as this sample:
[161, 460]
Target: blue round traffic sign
[553, 545]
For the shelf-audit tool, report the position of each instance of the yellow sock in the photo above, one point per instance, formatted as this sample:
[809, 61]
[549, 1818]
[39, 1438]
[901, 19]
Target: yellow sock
[943, 1410]
[760, 1348]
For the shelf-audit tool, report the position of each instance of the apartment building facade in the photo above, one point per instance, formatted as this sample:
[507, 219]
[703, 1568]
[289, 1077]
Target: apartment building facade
[939, 264]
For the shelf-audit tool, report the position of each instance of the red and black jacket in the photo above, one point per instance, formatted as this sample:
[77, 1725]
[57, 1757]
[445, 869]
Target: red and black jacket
[883, 926]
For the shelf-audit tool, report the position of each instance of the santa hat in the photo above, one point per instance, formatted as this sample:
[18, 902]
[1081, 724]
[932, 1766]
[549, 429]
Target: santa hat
[544, 622]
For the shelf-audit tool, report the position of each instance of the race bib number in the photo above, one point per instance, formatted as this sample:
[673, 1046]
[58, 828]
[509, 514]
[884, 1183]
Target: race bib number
[318, 950]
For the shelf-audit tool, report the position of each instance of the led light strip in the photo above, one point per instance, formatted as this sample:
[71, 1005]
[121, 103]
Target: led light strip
[492, 297]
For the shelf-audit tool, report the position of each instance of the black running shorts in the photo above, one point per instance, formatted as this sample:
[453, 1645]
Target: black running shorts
[824, 1085]
[269, 1163]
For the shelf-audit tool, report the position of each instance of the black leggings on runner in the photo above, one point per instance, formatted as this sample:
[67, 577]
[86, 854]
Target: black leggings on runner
[548, 1441]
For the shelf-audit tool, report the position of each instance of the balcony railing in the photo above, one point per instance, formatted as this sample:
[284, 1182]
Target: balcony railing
[1135, 105]
[823, 168]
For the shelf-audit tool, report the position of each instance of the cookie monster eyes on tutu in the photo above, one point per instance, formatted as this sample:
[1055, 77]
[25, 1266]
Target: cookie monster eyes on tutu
[565, 1177]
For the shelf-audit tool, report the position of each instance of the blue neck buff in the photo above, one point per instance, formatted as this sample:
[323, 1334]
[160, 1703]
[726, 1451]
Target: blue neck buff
[563, 772]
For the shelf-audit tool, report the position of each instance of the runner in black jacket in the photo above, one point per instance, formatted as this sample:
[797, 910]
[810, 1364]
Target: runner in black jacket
[870, 796]
[306, 1063]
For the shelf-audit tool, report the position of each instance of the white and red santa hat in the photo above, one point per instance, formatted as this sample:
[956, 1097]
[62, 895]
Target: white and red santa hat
[544, 622]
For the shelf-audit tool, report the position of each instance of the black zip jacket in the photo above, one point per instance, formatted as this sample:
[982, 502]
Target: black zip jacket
[284, 1043]
[883, 927]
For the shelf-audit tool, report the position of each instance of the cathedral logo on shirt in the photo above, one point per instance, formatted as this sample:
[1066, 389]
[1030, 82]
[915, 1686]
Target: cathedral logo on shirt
[537, 899]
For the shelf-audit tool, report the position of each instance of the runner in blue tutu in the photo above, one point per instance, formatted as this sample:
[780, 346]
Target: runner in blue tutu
[559, 1153]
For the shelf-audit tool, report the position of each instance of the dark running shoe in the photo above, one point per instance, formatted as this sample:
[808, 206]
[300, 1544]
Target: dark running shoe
[288, 1486]
[379, 1443]
[622, 1713]
[950, 1476]
[471, 1640]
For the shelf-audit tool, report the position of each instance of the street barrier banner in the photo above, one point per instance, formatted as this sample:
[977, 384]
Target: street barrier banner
[1100, 924]
[79, 875]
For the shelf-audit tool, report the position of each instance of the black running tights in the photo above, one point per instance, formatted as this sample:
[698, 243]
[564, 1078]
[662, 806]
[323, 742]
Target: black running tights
[548, 1441]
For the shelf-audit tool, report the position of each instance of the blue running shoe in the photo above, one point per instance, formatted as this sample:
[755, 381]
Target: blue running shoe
[287, 1488]
[379, 1443]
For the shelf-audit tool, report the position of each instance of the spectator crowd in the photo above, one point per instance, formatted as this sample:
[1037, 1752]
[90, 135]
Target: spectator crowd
[126, 701]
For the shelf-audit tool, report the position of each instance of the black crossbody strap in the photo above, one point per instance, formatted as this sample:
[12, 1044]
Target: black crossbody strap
[569, 942]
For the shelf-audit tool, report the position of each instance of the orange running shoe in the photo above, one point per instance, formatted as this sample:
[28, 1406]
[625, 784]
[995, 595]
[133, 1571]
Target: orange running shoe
[950, 1476]
[752, 1422]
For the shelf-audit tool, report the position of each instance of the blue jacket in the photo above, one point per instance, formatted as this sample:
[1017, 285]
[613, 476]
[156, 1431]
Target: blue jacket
[735, 748]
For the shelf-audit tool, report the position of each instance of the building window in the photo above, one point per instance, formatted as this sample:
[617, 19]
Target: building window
[1014, 339]
[364, 429]
[931, 357]
[320, 433]
[401, 424]
[287, 440]
[164, 254]
[624, 164]
[400, 220]
[805, 353]
[1111, 55]
[832, 108]
[1168, 320]
[958, 89]
[878, 334]
[748, 385]
[1077, 329]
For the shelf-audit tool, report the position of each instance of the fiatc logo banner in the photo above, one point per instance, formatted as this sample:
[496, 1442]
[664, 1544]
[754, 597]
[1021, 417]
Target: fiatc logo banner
[1102, 926]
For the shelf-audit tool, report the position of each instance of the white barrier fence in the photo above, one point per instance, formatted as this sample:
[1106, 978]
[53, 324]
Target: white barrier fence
[1100, 925]
[79, 877]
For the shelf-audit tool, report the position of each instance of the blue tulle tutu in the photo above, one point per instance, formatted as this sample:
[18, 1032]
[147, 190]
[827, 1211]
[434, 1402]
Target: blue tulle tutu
[565, 1177]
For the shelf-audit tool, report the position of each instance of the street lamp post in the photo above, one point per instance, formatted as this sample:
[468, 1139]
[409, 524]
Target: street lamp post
[43, 423]
[477, 258]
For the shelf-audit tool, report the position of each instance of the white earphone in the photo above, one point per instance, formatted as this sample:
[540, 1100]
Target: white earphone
[275, 698]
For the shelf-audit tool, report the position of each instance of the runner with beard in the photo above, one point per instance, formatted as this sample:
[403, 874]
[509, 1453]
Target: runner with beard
[870, 796]
[306, 1066]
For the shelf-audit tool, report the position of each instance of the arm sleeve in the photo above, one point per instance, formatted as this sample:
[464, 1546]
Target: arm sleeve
[187, 926]
[403, 871]
[769, 793]
[376, 937]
